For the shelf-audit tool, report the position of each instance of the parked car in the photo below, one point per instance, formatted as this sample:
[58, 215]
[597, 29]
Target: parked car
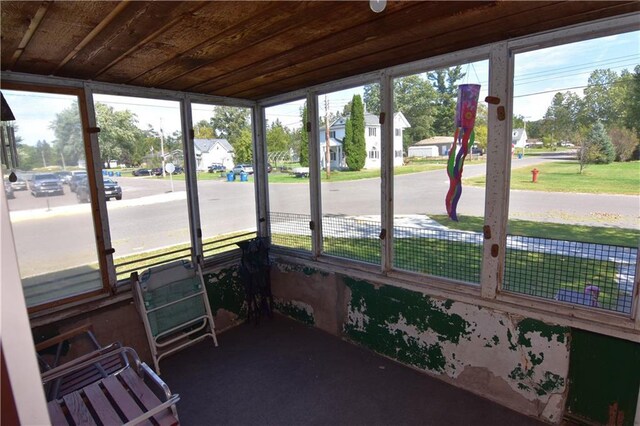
[111, 190]
[217, 167]
[46, 183]
[64, 175]
[269, 168]
[8, 189]
[19, 185]
[76, 178]
[246, 168]
[142, 172]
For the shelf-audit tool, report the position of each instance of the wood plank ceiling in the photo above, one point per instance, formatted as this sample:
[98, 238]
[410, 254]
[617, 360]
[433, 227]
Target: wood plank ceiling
[257, 49]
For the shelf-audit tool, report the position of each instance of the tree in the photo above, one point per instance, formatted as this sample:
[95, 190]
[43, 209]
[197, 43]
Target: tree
[119, 133]
[624, 141]
[356, 151]
[603, 98]
[598, 145]
[562, 119]
[632, 100]
[304, 138]
[204, 130]
[278, 138]
[445, 83]
[67, 129]
[415, 97]
[45, 155]
[243, 148]
[230, 122]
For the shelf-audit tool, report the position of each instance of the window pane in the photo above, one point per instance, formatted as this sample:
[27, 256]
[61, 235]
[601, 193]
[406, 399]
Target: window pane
[426, 240]
[224, 160]
[351, 185]
[140, 142]
[48, 131]
[288, 156]
[573, 228]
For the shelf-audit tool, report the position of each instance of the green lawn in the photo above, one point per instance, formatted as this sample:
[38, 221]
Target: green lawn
[614, 178]
[557, 231]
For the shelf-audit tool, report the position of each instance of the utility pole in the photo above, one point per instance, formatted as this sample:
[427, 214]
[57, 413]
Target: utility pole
[64, 167]
[327, 150]
[162, 147]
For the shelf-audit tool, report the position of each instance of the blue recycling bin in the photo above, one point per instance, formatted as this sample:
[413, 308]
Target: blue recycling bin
[104, 173]
[110, 174]
[244, 177]
[519, 156]
[231, 177]
[118, 174]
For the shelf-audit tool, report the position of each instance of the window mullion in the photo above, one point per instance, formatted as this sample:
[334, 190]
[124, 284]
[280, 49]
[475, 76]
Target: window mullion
[386, 148]
[191, 179]
[314, 173]
[498, 165]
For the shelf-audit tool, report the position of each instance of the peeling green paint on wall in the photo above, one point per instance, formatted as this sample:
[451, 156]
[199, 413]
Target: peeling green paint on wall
[308, 271]
[387, 307]
[226, 291]
[296, 310]
[551, 332]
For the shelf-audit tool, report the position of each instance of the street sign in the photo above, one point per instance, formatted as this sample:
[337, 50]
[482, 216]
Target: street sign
[169, 168]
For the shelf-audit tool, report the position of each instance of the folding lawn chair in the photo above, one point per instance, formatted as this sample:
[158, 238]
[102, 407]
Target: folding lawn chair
[173, 303]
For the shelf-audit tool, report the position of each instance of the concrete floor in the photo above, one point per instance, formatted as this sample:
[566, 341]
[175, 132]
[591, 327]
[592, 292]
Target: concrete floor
[284, 373]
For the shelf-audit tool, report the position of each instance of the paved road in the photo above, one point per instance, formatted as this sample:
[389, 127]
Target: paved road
[150, 216]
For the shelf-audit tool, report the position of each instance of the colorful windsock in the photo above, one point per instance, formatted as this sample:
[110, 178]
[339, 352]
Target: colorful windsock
[465, 119]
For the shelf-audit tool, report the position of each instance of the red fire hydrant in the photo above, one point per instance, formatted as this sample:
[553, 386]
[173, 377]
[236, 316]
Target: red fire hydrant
[534, 175]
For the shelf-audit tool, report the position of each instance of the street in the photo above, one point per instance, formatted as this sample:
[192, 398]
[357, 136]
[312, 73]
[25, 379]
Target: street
[150, 216]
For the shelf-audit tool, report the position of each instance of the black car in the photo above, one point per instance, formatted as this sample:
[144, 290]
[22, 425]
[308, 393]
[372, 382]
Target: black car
[143, 172]
[75, 179]
[111, 190]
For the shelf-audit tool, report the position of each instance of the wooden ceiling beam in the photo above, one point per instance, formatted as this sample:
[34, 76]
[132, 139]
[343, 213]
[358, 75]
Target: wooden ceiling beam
[152, 36]
[396, 30]
[307, 28]
[26, 38]
[192, 57]
[549, 16]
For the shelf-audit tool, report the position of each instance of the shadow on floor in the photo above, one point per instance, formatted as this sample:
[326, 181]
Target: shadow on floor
[285, 373]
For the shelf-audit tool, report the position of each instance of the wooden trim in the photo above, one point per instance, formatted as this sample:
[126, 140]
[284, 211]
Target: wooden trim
[33, 26]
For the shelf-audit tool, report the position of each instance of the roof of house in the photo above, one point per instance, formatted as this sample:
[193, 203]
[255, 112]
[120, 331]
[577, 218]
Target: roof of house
[206, 145]
[332, 142]
[435, 140]
[370, 120]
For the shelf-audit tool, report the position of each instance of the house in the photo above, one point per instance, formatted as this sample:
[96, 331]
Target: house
[489, 329]
[431, 147]
[209, 151]
[372, 137]
[519, 138]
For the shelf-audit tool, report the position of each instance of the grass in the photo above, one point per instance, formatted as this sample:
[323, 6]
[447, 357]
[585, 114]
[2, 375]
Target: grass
[557, 231]
[613, 178]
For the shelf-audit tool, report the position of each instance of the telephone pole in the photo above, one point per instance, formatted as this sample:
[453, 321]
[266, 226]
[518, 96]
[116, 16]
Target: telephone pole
[327, 150]
[162, 147]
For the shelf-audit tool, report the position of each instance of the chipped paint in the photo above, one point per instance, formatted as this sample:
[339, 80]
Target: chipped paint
[306, 270]
[226, 292]
[522, 356]
[297, 310]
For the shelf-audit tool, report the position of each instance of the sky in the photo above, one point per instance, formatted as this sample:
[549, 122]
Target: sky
[538, 76]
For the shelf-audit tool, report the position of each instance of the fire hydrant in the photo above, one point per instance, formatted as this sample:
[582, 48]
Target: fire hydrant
[534, 175]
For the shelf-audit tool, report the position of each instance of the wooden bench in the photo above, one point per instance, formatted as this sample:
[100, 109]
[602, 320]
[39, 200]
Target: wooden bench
[132, 395]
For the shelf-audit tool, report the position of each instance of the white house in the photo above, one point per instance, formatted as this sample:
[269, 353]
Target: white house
[431, 147]
[519, 138]
[372, 137]
[209, 151]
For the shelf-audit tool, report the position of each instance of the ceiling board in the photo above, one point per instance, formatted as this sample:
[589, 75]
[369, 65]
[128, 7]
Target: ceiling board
[257, 49]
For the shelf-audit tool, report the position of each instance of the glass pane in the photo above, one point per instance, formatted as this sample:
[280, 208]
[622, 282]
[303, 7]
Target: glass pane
[573, 207]
[288, 173]
[48, 131]
[224, 162]
[141, 148]
[426, 139]
[350, 175]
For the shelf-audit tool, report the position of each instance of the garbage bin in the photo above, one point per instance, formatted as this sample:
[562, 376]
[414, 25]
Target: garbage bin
[104, 173]
[520, 156]
[110, 174]
[244, 177]
[231, 177]
[118, 174]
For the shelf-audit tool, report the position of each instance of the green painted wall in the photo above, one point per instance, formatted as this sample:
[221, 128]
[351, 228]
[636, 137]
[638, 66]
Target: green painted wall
[604, 377]
[226, 291]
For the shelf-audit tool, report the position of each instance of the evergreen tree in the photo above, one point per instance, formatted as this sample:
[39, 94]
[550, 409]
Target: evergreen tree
[356, 151]
[304, 139]
[347, 142]
[603, 149]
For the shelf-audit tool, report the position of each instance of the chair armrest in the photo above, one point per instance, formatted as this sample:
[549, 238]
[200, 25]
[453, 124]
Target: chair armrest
[91, 358]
